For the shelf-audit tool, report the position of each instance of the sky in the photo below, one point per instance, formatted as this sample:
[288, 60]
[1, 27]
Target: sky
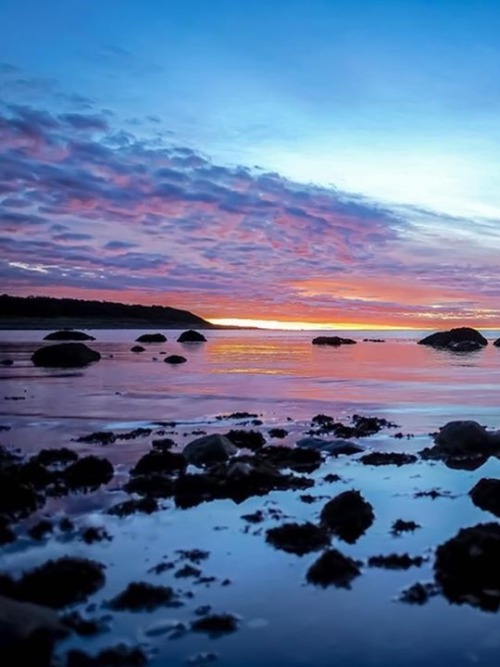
[327, 164]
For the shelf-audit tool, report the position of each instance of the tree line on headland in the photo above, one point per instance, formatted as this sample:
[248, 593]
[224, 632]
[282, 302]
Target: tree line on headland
[33, 308]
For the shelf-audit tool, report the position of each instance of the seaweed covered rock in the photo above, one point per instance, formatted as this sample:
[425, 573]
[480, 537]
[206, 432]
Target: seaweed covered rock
[151, 338]
[463, 444]
[58, 583]
[141, 596]
[348, 515]
[137, 348]
[486, 495]
[191, 336]
[248, 439]
[160, 461]
[115, 656]
[152, 485]
[216, 624]
[295, 458]
[298, 538]
[209, 449]
[462, 339]
[335, 447]
[467, 569]
[89, 472]
[334, 341]
[68, 334]
[333, 569]
[64, 355]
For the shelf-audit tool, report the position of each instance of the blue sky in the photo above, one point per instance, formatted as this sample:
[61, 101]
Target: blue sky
[394, 102]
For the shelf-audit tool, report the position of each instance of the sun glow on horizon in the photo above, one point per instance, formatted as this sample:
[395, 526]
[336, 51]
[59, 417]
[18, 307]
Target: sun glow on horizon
[301, 326]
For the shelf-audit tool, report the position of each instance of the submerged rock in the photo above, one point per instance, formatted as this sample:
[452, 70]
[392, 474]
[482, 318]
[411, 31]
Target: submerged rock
[462, 339]
[486, 495]
[68, 334]
[348, 515]
[191, 336]
[141, 596]
[57, 583]
[298, 538]
[333, 569]
[387, 458]
[467, 569]
[151, 338]
[209, 449]
[175, 359]
[335, 341]
[64, 355]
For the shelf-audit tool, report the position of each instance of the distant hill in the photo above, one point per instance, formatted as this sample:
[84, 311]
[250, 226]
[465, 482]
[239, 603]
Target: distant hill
[39, 312]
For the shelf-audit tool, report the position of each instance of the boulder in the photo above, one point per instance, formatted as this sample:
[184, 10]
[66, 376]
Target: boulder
[334, 447]
[335, 341]
[209, 449]
[68, 334]
[486, 495]
[175, 359]
[137, 348]
[462, 339]
[191, 336]
[64, 355]
[151, 338]
[333, 569]
[348, 515]
[465, 437]
[497, 342]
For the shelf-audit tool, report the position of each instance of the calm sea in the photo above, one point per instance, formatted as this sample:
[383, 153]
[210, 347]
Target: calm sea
[286, 381]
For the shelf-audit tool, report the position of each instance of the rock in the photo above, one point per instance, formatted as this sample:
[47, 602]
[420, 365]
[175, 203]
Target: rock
[137, 348]
[401, 526]
[93, 534]
[497, 342]
[84, 627]
[28, 630]
[295, 458]
[334, 447]
[153, 485]
[58, 583]
[7, 362]
[298, 538]
[278, 433]
[40, 529]
[116, 656]
[191, 337]
[7, 535]
[466, 567]
[348, 515]
[175, 359]
[89, 472]
[151, 338]
[419, 593]
[68, 334]
[209, 449]
[486, 495]
[56, 456]
[396, 561]
[64, 355]
[17, 498]
[216, 624]
[141, 596]
[387, 458]
[373, 340]
[246, 439]
[159, 461]
[463, 339]
[100, 437]
[463, 444]
[333, 569]
[144, 506]
[335, 341]
[361, 426]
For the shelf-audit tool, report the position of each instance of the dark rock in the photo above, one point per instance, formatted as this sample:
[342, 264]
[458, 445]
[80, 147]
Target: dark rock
[163, 444]
[419, 593]
[191, 337]
[335, 341]
[118, 656]
[486, 495]
[278, 433]
[463, 339]
[255, 517]
[298, 538]
[464, 445]
[175, 359]
[58, 583]
[134, 434]
[95, 534]
[89, 472]
[17, 498]
[237, 415]
[335, 447]
[151, 338]
[68, 334]
[248, 439]
[373, 340]
[144, 505]
[64, 355]
[28, 633]
[216, 624]
[333, 569]
[100, 437]
[153, 485]
[297, 459]
[331, 478]
[466, 567]
[209, 449]
[187, 571]
[7, 362]
[40, 529]
[361, 426]
[387, 458]
[497, 342]
[83, 627]
[49, 457]
[141, 596]
[66, 525]
[348, 515]
[7, 535]
[193, 555]
[137, 348]
[157, 461]
[396, 561]
[401, 526]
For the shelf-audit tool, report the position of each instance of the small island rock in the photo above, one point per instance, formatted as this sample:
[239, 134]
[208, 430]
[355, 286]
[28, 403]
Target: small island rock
[462, 339]
[191, 336]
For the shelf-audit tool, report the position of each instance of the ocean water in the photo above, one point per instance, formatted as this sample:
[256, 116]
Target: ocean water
[286, 381]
